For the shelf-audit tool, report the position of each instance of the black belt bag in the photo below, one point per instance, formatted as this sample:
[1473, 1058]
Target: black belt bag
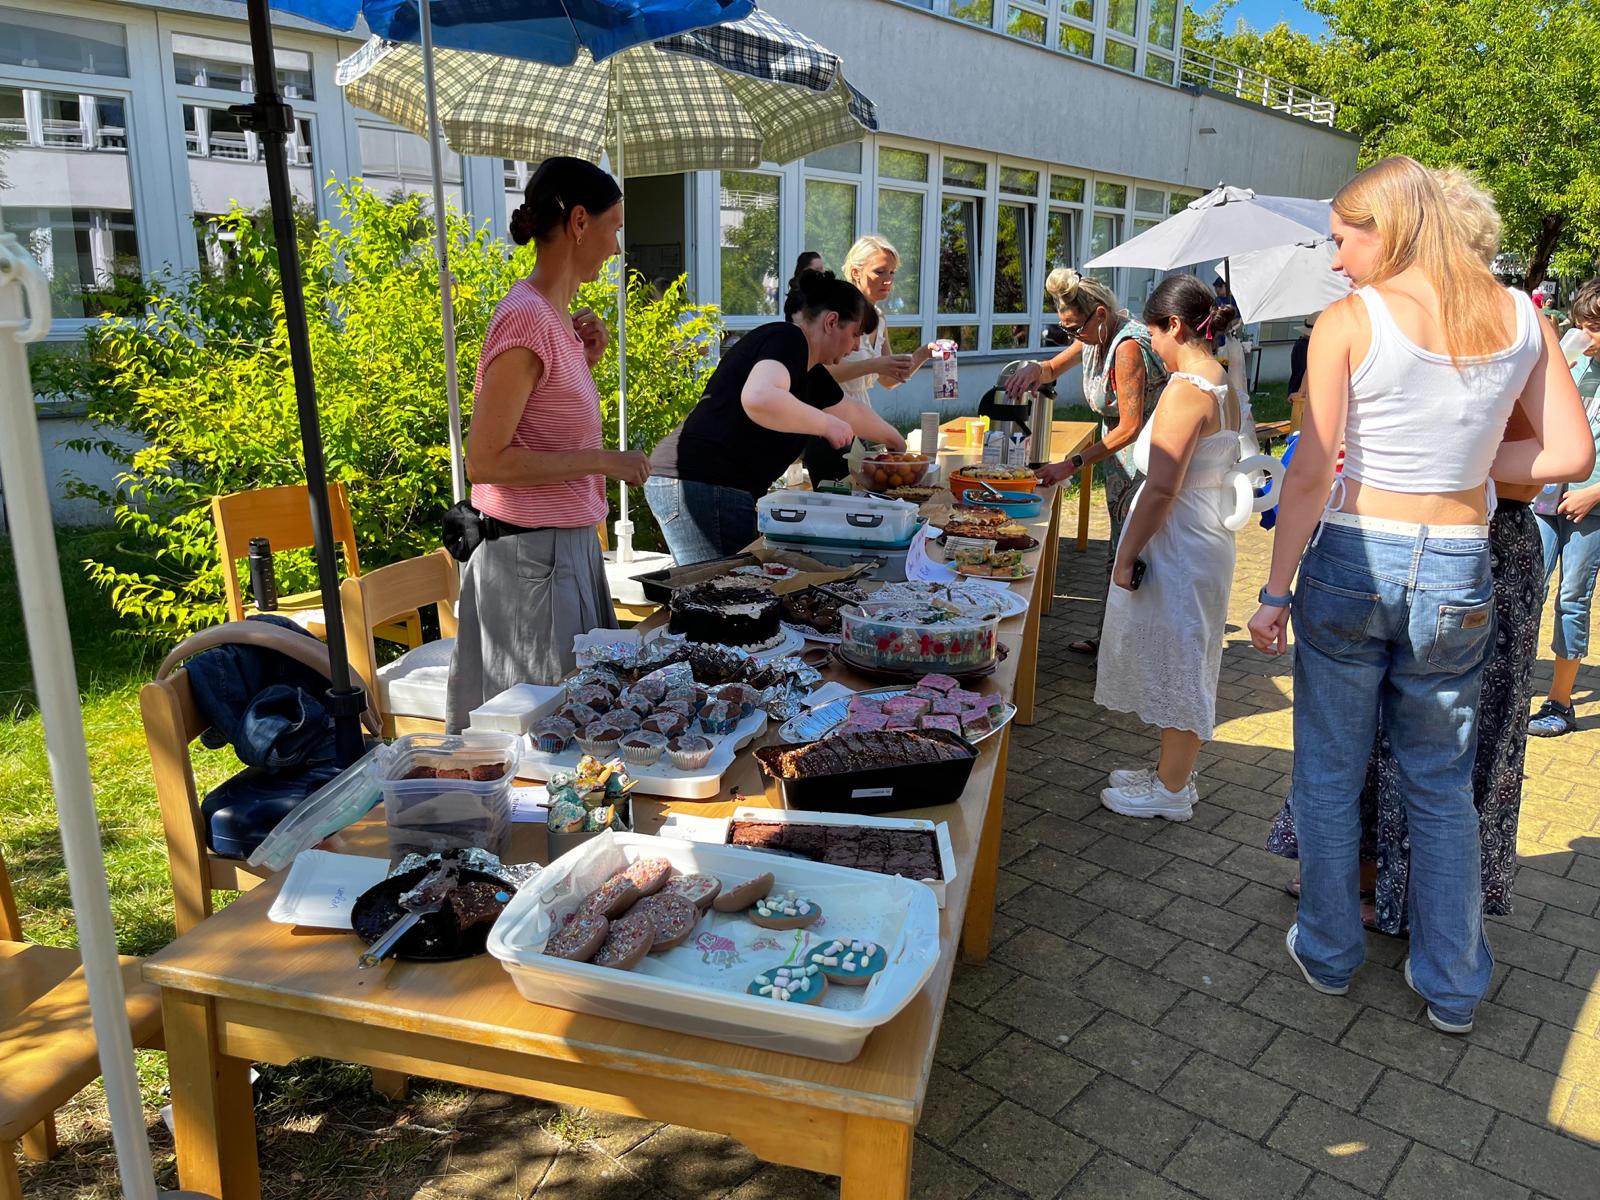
[465, 529]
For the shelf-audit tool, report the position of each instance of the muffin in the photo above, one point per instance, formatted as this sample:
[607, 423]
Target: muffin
[625, 719]
[653, 690]
[592, 694]
[684, 708]
[668, 724]
[581, 715]
[689, 751]
[742, 696]
[553, 735]
[719, 717]
[635, 703]
[643, 748]
[601, 739]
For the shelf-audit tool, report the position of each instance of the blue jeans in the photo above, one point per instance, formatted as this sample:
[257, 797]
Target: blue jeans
[1575, 545]
[1400, 624]
[701, 521]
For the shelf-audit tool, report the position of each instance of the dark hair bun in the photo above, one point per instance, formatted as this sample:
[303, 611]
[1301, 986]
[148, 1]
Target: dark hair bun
[1191, 302]
[813, 293]
[556, 187]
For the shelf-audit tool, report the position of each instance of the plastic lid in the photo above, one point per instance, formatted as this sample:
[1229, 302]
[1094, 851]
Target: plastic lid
[336, 805]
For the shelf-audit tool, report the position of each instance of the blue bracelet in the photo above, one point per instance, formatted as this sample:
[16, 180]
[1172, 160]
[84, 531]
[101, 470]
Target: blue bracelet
[1267, 598]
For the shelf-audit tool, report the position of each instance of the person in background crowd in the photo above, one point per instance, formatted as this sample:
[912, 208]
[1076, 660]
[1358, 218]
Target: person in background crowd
[871, 265]
[1417, 375]
[752, 421]
[1515, 561]
[535, 451]
[1297, 360]
[809, 260]
[1570, 528]
[1162, 648]
[1122, 377]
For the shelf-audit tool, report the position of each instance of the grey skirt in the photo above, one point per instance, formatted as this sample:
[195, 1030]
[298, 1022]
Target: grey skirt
[523, 599]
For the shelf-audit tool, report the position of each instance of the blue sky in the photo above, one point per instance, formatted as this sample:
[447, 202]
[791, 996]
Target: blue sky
[1264, 14]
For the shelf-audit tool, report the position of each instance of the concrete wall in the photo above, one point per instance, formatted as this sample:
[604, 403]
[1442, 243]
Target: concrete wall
[943, 80]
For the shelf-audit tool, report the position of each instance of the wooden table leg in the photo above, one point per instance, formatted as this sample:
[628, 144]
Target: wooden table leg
[39, 1143]
[213, 1111]
[877, 1160]
[1085, 489]
[977, 926]
[1047, 560]
[1028, 664]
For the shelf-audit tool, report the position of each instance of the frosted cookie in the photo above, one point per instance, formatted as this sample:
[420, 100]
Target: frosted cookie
[787, 911]
[672, 917]
[649, 875]
[627, 942]
[700, 890]
[611, 899]
[742, 896]
[851, 962]
[578, 938]
[797, 985]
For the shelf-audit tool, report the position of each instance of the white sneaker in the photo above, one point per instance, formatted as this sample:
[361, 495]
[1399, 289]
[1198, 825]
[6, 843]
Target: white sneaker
[1436, 1021]
[1132, 777]
[1150, 798]
[1289, 940]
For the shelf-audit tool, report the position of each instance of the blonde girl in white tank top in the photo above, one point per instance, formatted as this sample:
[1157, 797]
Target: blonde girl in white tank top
[1393, 609]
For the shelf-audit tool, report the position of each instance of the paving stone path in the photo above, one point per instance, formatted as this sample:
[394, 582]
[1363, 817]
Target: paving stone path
[1139, 1033]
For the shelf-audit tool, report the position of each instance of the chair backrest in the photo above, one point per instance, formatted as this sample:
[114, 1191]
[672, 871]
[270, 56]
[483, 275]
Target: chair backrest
[172, 722]
[403, 587]
[282, 515]
[10, 922]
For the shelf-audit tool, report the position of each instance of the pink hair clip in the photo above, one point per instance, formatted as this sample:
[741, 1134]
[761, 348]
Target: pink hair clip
[1204, 328]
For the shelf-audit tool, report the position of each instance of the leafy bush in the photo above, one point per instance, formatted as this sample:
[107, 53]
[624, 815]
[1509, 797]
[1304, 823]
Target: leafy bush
[201, 378]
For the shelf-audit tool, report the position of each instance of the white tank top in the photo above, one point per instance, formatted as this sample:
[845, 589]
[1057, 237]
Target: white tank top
[1420, 422]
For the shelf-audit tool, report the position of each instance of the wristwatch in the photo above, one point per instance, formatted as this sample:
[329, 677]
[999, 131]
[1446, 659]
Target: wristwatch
[1283, 601]
[1076, 463]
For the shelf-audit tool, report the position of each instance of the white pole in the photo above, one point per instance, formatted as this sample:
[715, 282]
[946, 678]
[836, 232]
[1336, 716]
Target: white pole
[441, 247]
[624, 526]
[44, 612]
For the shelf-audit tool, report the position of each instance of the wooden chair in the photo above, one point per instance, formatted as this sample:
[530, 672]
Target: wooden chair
[410, 691]
[282, 515]
[46, 1040]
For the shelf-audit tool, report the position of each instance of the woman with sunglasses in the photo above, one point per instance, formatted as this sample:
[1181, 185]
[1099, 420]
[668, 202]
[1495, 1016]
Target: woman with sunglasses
[1122, 377]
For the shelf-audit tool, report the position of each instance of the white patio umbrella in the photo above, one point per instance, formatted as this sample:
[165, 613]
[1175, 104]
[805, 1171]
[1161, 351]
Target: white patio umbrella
[726, 97]
[1292, 280]
[1226, 221]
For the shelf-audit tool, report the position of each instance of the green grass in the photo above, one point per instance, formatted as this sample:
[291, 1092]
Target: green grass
[324, 1135]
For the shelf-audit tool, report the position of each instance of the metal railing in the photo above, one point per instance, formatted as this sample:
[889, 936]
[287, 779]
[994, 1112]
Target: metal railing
[1219, 75]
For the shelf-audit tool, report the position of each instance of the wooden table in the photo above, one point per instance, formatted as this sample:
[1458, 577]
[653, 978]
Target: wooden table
[239, 989]
[1066, 439]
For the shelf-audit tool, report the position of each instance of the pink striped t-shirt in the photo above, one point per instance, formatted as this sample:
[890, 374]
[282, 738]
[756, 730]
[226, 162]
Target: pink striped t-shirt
[562, 414]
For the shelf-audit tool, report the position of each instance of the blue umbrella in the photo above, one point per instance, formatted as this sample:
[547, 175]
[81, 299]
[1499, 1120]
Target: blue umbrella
[549, 31]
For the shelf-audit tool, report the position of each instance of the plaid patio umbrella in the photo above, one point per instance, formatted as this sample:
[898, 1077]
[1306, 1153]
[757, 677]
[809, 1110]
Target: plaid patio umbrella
[726, 97]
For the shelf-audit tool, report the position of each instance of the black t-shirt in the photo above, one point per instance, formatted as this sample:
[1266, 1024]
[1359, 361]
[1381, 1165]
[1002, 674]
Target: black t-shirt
[718, 442]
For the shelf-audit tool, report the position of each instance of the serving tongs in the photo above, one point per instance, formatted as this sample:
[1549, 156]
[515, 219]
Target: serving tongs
[427, 897]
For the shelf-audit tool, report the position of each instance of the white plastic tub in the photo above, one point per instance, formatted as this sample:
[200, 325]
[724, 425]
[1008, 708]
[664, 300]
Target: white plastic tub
[699, 987]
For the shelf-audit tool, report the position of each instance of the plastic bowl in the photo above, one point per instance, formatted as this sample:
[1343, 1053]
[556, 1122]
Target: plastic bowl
[961, 482]
[882, 472]
[1019, 505]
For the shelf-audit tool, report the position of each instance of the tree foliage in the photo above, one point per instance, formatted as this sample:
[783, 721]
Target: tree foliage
[200, 379]
[1508, 89]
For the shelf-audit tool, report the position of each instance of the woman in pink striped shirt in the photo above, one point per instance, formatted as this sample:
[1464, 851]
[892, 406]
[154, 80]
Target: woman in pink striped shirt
[535, 451]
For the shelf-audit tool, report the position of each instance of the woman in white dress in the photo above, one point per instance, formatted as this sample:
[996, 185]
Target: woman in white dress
[1162, 646]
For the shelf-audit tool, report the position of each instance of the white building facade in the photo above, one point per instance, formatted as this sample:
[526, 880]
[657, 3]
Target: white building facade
[1015, 135]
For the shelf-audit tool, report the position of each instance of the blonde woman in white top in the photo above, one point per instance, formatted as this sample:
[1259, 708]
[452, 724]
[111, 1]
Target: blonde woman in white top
[1417, 376]
[871, 265]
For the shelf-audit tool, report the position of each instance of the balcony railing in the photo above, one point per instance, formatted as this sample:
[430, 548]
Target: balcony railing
[1219, 75]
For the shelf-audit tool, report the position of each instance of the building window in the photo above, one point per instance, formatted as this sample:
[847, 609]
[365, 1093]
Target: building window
[1120, 55]
[397, 163]
[974, 12]
[845, 159]
[1111, 195]
[1025, 23]
[1013, 263]
[1122, 16]
[1159, 67]
[1105, 233]
[1079, 10]
[895, 163]
[900, 220]
[1162, 27]
[965, 172]
[1060, 248]
[1178, 201]
[1076, 41]
[1067, 189]
[1019, 181]
[49, 42]
[225, 172]
[1149, 200]
[749, 244]
[1142, 280]
[55, 120]
[960, 258]
[228, 66]
[964, 336]
[85, 253]
[830, 220]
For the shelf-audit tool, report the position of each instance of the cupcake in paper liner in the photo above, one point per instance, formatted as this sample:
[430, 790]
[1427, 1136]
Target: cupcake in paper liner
[643, 748]
[601, 739]
[719, 717]
[689, 751]
[554, 735]
[625, 719]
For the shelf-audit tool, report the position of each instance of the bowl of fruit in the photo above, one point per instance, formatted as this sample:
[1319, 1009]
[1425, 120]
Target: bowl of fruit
[881, 472]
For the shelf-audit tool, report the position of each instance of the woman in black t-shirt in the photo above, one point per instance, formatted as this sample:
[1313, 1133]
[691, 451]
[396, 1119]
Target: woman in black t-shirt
[760, 405]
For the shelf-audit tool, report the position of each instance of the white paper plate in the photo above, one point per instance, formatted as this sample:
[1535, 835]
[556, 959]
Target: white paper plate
[820, 721]
[321, 887]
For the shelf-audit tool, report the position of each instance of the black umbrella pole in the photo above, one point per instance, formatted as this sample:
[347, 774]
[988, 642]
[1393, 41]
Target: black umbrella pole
[273, 120]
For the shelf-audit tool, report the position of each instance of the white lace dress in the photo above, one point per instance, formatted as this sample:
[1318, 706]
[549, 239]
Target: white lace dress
[1161, 649]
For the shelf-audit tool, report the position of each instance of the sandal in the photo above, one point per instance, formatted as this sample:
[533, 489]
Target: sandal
[1084, 646]
[1552, 720]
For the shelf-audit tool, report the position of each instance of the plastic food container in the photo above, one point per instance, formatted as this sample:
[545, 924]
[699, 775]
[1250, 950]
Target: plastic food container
[699, 987]
[818, 516]
[1017, 505]
[427, 815]
[1004, 479]
[880, 472]
[919, 638]
[887, 563]
[871, 789]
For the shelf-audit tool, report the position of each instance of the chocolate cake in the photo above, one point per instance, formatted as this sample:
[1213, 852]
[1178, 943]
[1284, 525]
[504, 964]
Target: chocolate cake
[818, 608]
[729, 612]
[847, 752]
[913, 853]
